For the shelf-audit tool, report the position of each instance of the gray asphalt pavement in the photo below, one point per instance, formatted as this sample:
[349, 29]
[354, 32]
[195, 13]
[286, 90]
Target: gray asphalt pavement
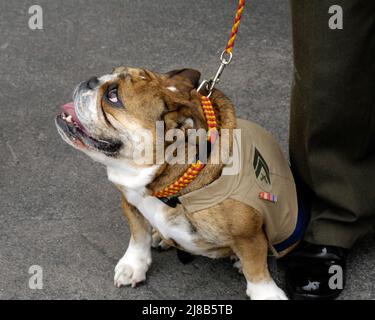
[57, 209]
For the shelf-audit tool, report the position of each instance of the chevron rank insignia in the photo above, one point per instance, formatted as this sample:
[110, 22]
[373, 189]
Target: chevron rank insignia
[262, 171]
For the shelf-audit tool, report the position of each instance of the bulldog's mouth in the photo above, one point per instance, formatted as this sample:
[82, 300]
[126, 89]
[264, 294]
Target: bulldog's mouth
[73, 129]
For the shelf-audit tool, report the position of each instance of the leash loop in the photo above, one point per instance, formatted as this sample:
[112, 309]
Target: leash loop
[226, 57]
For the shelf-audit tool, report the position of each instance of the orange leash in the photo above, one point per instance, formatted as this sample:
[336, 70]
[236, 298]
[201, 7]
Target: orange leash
[208, 110]
[237, 21]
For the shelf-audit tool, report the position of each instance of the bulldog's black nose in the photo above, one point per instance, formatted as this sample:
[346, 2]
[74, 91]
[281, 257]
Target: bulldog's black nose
[93, 83]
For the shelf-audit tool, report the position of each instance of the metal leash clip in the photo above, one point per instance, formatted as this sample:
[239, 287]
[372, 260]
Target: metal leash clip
[209, 85]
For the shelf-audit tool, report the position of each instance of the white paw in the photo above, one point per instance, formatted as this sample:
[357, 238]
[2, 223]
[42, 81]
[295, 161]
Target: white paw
[267, 290]
[130, 271]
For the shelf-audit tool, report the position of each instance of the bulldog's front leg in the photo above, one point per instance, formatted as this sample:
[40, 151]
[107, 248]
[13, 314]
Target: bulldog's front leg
[252, 253]
[132, 267]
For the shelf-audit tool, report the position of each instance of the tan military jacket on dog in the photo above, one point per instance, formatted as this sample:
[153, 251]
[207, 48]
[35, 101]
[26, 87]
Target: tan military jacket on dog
[263, 168]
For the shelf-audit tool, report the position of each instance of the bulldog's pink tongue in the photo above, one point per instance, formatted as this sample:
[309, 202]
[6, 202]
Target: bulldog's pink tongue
[68, 109]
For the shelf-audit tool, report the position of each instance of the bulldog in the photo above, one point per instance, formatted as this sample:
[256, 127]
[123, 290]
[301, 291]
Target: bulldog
[243, 215]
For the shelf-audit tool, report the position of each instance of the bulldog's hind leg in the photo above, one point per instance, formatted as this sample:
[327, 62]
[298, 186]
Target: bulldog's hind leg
[132, 267]
[252, 252]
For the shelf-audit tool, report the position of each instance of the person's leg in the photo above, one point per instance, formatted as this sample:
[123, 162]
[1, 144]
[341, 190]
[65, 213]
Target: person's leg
[332, 136]
[332, 129]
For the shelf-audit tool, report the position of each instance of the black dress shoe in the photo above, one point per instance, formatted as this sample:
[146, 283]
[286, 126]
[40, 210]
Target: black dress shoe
[316, 272]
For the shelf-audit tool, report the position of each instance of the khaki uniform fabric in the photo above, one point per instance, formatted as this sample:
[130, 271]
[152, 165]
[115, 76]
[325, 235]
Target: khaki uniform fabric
[263, 168]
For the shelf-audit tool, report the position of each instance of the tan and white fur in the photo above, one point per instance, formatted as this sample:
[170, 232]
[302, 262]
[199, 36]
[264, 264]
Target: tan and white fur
[230, 228]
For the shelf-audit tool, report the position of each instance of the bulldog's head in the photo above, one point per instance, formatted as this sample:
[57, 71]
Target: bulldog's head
[108, 114]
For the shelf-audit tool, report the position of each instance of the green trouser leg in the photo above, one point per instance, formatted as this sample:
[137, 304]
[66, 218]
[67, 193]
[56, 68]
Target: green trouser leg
[332, 130]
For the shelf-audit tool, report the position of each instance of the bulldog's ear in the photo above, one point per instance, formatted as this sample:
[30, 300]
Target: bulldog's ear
[190, 74]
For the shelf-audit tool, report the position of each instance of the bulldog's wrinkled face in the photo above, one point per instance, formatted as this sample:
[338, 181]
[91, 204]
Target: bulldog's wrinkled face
[108, 115]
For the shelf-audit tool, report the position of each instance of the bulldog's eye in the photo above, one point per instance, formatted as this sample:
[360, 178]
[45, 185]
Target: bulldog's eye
[112, 95]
